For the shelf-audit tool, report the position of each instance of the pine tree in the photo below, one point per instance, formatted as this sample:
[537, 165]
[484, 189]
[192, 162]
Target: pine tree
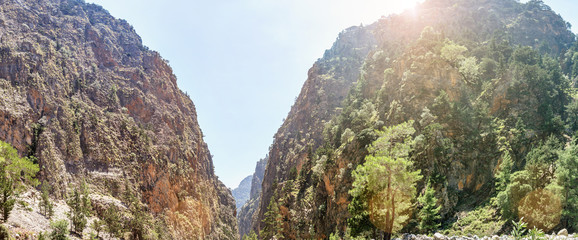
[273, 221]
[59, 230]
[567, 173]
[80, 208]
[429, 214]
[112, 221]
[387, 179]
[6, 194]
[504, 172]
[14, 172]
[250, 236]
[45, 205]
[97, 225]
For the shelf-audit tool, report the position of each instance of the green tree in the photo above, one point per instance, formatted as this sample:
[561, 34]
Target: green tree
[429, 214]
[7, 199]
[139, 221]
[97, 225]
[112, 221]
[273, 221]
[80, 208]
[359, 223]
[4, 233]
[250, 236]
[14, 173]
[567, 176]
[45, 205]
[387, 178]
[59, 230]
[41, 236]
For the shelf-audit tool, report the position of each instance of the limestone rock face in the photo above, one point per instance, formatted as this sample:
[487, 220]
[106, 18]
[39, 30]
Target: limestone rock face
[79, 91]
[242, 192]
[246, 214]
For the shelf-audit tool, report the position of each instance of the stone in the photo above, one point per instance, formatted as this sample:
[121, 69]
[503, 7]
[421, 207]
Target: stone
[563, 232]
[408, 236]
[439, 236]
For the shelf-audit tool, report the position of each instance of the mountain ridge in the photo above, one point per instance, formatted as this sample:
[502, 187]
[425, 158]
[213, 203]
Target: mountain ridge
[90, 102]
[310, 180]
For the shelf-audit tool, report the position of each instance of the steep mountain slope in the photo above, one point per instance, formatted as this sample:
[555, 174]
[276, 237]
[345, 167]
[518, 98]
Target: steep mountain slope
[242, 192]
[327, 85]
[81, 93]
[459, 70]
[246, 215]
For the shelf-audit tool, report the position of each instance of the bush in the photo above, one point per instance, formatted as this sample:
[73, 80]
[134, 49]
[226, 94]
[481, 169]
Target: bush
[4, 233]
[59, 230]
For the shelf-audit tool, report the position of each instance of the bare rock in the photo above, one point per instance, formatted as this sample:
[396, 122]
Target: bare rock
[563, 232]
[439, 236]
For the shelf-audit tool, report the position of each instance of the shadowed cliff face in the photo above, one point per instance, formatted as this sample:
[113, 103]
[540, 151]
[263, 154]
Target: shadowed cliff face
[247, 214]
[242, 192]
[81, 93]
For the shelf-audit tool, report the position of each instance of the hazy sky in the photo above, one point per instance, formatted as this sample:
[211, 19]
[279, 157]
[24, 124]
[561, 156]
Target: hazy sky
[243, 62]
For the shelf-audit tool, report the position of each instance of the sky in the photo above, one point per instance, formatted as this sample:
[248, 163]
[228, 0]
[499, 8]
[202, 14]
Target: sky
[243, 62]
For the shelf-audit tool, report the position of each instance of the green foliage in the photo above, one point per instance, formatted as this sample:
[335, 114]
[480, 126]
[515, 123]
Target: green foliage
[535, 234]
[527, 188]
[429, 213]
[46, 206]
[112, 220]
[97, 225]
[567, 177]
[273, 221]
[20, 170]
[140, 221]
[539, 90]
[519, 229]
[359, 222]
[4, 233]
[80, 208]
[504, 173]
[250, 236]
[387, 180]
[59, 230]
[41, 236]
[481, 221]
[7, 199]
[334, 236]
[14, 173]
[452, 52]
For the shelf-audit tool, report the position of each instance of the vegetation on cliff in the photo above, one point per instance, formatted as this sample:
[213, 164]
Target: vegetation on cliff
[82, 95]
[489, 88]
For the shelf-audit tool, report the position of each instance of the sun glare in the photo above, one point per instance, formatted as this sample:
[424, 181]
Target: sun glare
[368, 11]
[400, 6]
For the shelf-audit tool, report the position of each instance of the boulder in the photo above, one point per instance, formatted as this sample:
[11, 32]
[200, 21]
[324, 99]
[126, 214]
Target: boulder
[563, 232]
[439, 236]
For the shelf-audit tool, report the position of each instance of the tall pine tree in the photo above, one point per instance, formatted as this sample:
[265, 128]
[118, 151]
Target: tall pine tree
[429, 214]
[388, 179]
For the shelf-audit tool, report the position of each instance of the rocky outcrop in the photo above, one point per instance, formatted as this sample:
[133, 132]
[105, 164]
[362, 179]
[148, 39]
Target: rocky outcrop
[246, 215]
[80, 92]
[242, 192]
[327, 85]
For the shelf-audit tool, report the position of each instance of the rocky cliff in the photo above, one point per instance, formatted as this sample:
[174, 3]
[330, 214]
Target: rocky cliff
[82, 94]
[246, 214]
[242, 192]
[327, 85]
[452, 66]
